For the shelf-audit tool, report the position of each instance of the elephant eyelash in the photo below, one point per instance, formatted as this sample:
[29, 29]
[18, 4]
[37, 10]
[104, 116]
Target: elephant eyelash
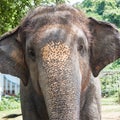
[31, 54]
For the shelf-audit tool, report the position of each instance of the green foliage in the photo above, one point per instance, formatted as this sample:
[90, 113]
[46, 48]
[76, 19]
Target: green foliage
[9, 103]
[12, 11]
[100, 8]
[114, 66]
[112, 16]
[108, 10]
[110, 84]
[118, 3]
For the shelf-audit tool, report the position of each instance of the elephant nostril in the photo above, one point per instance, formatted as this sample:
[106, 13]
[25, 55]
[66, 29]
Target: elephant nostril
[31, 53]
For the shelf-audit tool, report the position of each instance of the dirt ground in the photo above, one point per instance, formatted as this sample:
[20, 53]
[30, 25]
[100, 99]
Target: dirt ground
[109, 112]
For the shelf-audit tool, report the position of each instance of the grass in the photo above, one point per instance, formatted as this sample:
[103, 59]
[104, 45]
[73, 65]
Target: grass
[110, 110]
[110, 105]
[109, 101]
[8, 103]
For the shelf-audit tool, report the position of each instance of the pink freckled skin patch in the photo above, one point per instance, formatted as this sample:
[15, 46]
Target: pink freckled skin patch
[55, 51]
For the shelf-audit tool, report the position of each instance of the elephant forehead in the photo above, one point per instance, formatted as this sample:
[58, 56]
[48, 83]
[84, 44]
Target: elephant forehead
[60, 30]
[55, 51]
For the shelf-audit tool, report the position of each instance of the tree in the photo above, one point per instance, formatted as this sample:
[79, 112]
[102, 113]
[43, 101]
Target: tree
[107, 10]
[11, 11]
[100, 8]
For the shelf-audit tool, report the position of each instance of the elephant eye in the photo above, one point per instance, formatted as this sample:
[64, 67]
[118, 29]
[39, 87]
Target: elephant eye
[31, 53]
[80, 47]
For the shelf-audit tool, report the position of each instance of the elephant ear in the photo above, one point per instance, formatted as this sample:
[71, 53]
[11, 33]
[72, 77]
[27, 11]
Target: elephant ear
[105, 44]
[12, 56]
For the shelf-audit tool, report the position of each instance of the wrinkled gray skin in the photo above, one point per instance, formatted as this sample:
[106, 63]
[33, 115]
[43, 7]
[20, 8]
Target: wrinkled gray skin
[57, 52]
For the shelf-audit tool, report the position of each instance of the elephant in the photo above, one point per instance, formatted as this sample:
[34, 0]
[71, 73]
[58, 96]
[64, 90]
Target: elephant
[58, 52]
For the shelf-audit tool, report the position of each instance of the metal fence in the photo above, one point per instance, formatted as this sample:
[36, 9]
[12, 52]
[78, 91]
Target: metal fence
[110, 83]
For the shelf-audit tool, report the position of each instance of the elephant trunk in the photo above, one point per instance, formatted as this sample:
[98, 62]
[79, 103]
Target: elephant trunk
[62, 95]
[60, 82]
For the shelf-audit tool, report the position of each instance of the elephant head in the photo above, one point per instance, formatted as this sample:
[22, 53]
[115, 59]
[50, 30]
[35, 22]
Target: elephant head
[58, 49]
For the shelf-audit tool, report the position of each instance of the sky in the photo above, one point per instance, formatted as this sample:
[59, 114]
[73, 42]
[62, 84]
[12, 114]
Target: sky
[12, 78]
[74, 1]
